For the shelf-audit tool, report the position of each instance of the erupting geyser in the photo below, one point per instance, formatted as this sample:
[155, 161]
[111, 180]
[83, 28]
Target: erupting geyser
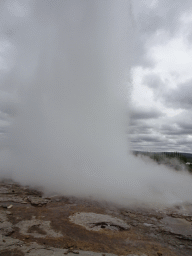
[68, 77]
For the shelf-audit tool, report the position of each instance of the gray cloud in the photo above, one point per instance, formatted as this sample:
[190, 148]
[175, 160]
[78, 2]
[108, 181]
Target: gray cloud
[149, 138]
[165, 16]
[162, 133]
[8, 110]
[173, 133]
[145, 113]
[187, 126]
[163, 143]
[153, 81]
[180, 97]
[3, 129]
[140, 127]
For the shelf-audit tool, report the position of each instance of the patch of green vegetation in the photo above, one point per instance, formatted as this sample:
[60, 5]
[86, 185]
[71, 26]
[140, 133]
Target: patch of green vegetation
[172, 159]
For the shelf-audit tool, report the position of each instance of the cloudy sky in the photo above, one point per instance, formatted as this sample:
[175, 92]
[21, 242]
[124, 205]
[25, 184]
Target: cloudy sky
[161, 105]
[161, 76]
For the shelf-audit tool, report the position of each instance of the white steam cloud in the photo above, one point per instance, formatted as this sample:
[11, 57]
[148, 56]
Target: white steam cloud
[69, 61]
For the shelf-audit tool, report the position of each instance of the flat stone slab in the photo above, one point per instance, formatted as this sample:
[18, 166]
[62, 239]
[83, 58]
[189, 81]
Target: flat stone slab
[37, 228]
[95, 222]
[178, 226]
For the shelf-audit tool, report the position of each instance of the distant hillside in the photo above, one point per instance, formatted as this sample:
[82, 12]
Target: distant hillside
[188, 156]
[172, 159]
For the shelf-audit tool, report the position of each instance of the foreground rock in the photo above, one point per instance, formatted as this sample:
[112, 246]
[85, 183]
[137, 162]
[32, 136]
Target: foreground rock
[33, 225]
[37, 201]
[95, 222]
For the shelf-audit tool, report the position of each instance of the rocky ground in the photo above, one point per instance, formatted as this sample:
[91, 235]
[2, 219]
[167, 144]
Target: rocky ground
[33, 225]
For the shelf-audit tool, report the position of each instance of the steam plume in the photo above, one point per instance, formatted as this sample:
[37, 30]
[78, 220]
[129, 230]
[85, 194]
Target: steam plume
[68, 75]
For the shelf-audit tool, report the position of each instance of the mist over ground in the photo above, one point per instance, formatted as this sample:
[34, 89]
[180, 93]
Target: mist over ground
[66, 92]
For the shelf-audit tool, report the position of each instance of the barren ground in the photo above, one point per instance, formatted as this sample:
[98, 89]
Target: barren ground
[31, 224]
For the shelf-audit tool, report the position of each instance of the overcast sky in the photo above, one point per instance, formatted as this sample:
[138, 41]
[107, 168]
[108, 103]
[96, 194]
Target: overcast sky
[161, 106]
[161, 76]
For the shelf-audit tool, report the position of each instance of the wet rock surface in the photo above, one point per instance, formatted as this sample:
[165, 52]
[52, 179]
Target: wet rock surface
[31, 224]
[95, 222]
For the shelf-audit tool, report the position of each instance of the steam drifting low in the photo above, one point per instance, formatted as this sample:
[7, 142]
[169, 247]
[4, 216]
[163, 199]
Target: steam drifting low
[68, 65]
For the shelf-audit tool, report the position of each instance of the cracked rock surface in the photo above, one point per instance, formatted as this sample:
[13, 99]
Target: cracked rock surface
[33, 225]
